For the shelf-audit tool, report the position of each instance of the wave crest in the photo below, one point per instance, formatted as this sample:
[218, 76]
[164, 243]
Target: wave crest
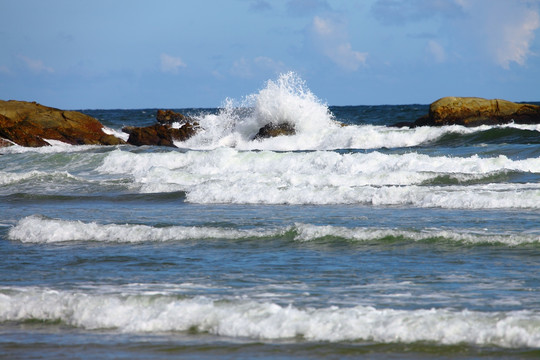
[38, 229]
[250, 319]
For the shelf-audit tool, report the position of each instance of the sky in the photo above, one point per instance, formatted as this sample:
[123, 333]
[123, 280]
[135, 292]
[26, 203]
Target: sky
[119, 54]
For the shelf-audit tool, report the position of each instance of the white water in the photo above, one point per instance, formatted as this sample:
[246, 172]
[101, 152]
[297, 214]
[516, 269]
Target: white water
[230, 176]
[37, 229]
[237, 317]
[288, 100]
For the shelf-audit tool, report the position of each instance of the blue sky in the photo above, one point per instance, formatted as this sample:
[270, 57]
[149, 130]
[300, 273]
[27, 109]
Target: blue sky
[176, 54]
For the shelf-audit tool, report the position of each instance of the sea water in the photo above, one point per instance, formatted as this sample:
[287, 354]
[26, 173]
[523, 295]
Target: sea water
[350, 238]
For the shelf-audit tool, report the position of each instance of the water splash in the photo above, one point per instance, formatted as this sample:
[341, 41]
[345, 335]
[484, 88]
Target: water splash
[285, 100]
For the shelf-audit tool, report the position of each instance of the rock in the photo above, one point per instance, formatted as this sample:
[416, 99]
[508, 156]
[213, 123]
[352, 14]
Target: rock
[272, 130]
[5, 143]
[474, 111]
[31, 124]
[164, 133]
[471, 111]
[168, 117]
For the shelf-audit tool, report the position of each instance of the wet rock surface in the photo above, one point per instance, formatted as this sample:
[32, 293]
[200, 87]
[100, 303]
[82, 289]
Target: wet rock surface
[474, 111]
[31, 124]
[171, 127]
[273, 130]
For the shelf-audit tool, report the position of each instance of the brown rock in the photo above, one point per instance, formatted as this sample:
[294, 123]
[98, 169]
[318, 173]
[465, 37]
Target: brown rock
[169, 117]
[272, 130]
[5, 143]
[30, 124]
[163, 134]
[474, 111]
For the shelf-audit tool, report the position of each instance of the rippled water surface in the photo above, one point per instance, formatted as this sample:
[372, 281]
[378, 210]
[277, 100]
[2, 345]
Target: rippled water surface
[337, 242]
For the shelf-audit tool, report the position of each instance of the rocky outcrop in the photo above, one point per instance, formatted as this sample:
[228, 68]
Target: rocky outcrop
[272, 130]
[31, 124]
[171, 126]
[474, 111]
[168, 117]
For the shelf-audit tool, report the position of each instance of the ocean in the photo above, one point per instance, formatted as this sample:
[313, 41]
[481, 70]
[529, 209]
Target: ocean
[349, 239]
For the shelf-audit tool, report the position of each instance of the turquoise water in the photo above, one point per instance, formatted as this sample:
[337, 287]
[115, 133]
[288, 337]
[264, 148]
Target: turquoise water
[338, 242]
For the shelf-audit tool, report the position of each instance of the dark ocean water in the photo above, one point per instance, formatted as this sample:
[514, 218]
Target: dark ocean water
[338, 242]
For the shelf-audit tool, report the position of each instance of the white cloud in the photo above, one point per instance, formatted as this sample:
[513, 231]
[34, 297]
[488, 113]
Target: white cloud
[510, 40]
[248, 68]
[330, 37]
[35, 65]
[503, 30]
[497, 31]
[323, 27]
[436, 51]
[171, 64]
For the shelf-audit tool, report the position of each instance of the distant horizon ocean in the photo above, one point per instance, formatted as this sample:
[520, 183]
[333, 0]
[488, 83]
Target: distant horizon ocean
[337, 242]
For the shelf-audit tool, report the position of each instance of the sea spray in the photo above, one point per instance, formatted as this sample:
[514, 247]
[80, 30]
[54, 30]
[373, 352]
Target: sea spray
[286, 100]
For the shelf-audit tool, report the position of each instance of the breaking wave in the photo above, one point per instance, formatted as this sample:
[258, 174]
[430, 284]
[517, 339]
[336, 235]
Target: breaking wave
[39, 229]
[231, 176]
[239, 317]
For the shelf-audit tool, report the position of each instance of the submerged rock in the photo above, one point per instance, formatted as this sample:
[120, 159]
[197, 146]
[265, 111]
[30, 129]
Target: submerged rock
[272, 130]
[171, 126]
[31, 124]
[474, 111]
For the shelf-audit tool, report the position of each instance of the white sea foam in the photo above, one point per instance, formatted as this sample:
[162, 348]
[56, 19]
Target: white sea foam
[289, 100]
[307, 232]
[119, 134]
[286, 100]
[238, 317]
[8, 178]
[228, 175]
[56, 147]
[38, 229]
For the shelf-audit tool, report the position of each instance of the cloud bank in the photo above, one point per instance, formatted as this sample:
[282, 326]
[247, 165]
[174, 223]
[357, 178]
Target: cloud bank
[500, 30]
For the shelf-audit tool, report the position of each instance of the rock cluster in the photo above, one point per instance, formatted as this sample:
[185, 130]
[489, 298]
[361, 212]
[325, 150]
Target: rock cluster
[31, 124]
[168, 117]
[474, 111]
[171, 126]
